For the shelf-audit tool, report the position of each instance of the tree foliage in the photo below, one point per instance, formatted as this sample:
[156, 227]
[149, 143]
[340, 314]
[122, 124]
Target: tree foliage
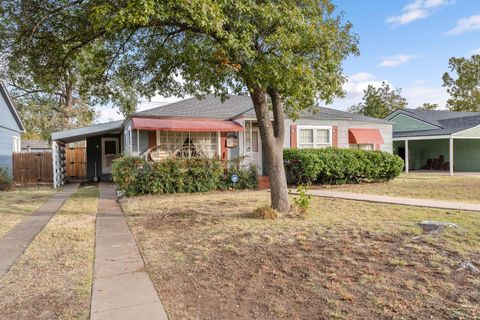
[463, 83]
[429, 106]
[379, 102]
[287, 54]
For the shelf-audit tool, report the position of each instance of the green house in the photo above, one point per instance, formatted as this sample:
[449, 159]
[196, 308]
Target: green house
[437, 140]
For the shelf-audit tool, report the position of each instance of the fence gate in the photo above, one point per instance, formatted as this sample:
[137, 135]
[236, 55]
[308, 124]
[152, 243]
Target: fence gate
[31, 167]
[76, 163]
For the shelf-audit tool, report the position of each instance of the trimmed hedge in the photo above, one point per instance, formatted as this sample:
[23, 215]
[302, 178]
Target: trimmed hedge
[339, 166]
[136, 176]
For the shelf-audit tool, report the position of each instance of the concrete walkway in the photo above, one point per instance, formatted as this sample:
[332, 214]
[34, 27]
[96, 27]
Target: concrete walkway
[121, 287]
[17, 239]
[396, 200]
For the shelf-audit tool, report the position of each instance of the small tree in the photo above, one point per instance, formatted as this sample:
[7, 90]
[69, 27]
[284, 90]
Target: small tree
[464, 90]
[379, 102]
[287, 54]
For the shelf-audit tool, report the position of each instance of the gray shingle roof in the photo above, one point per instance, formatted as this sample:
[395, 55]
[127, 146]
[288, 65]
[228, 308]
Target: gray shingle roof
[449, 122]
[235, 106]
[79, 134]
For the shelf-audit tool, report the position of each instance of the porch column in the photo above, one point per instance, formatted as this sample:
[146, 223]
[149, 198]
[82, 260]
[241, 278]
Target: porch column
[138, 143]
[451, 156]
[407, 157]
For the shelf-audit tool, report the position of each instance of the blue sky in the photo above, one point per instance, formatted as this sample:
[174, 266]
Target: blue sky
[404, 42]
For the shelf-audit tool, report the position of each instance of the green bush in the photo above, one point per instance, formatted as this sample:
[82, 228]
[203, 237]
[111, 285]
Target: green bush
[247, 177]
[5, 180]
[338, 166]
[137, 176]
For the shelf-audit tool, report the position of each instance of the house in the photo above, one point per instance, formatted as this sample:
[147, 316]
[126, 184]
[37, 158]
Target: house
[437, 140]
[11, 128]
[36, 146]
[212, 128]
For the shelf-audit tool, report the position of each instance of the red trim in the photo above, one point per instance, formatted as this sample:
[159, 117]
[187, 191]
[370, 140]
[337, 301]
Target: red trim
[335, 136]
[223, 146]
[293, 136]
[199, 125]
[364, 136]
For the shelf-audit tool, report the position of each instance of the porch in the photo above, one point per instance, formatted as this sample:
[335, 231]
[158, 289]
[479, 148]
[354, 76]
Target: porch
[448, 154]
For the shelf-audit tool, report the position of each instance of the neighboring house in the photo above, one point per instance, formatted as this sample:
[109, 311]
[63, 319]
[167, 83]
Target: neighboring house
[437, 140]
[208, 127]
[36, 146]
[11, 128]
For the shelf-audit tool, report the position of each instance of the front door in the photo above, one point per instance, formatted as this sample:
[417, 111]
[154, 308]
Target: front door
[109, 153]
[253, 146]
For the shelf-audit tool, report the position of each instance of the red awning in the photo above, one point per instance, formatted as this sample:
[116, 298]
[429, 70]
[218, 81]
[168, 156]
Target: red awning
[195, 125]
[364, 136]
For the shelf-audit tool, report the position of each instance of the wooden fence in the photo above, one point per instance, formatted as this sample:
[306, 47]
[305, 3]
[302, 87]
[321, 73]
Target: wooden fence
[31, 167]
[37, 167]
[76, 163]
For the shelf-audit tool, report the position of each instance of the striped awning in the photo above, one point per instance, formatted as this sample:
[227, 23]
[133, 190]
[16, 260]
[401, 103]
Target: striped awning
[193, 125]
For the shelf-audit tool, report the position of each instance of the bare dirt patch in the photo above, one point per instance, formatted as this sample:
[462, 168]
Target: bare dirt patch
[17, 203]
[210, 260]
[53, 278]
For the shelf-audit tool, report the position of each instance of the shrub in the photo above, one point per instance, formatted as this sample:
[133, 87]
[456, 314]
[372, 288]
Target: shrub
[5, 180]
[247, 176]
[303, 200]
[137, 176]
[338, 166]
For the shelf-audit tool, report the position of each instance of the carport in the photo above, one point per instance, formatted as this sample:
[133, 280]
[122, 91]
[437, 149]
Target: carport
[103, 145]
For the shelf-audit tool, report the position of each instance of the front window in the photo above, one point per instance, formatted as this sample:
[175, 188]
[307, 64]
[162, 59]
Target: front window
[362, 146]
[189, 144]
[314, 137]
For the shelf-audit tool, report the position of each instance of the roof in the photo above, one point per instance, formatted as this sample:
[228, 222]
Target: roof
[85, 132]
[35, 144]
[8, 100]
[236, 106]
[448, 122]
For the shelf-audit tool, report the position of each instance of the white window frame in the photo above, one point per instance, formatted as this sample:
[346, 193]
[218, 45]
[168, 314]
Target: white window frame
[315, 144]
[16, 144]
[363, 146]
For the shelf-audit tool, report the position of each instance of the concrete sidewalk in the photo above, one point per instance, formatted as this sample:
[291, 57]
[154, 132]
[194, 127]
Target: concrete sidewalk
[17, 239]
[439, 204]
[121, 287]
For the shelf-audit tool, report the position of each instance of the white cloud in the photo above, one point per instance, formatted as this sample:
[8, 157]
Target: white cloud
[416, 10]
[396, 60]
[418, 95]
[474, 52]
[465, 25]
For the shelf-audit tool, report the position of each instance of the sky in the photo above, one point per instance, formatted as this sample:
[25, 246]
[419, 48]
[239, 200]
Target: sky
[406, 43]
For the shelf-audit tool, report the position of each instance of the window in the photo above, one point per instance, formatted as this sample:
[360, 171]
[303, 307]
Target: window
[16, 146]
[314, 137]
[362, 146]
[189, 144]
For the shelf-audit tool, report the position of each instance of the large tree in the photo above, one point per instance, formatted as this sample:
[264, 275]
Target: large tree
[463, 83]
[287, 54]
[379, 102]
[429, 106]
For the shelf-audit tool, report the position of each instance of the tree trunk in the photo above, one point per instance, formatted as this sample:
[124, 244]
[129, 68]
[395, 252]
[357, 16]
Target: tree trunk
[272, 139]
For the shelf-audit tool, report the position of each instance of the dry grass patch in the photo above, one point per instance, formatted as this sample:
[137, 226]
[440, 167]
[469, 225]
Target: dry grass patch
[53, 278]
[421, 185]
[16, 204]
[209, 259]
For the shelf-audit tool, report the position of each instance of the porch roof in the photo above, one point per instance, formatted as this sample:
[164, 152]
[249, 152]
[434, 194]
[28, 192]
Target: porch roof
[195, 125]
[79, 134]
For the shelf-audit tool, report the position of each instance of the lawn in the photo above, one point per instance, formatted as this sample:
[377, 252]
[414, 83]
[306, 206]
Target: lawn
[53, 278]
[16, 204]
[421, 185]
[209, 259]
